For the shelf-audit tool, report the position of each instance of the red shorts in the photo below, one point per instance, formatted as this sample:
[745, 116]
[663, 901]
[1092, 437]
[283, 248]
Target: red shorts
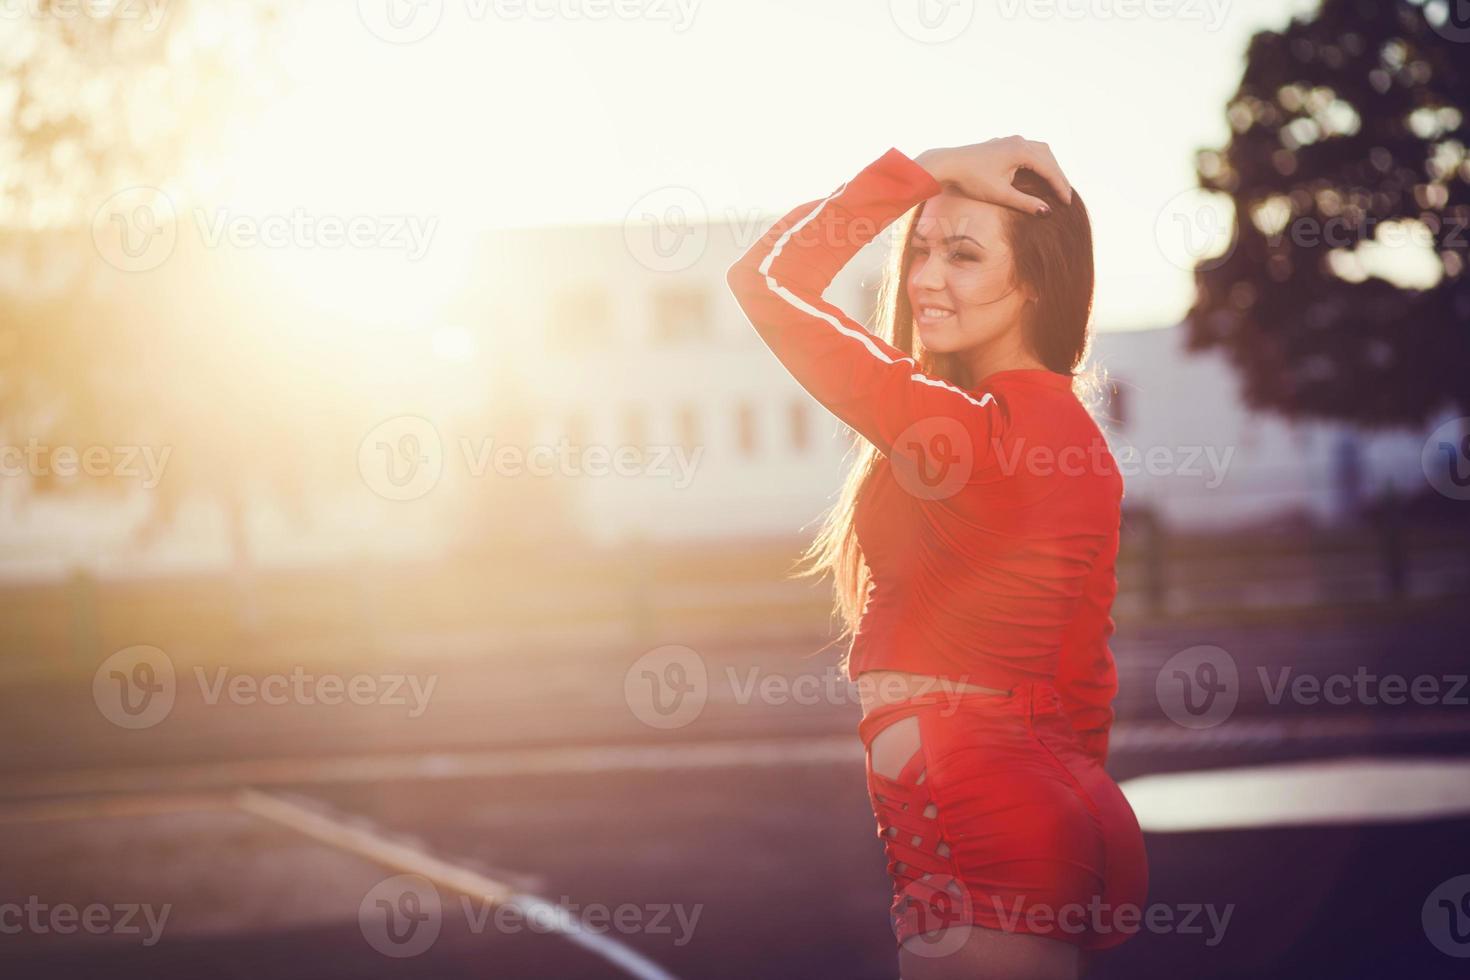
[1039, 838]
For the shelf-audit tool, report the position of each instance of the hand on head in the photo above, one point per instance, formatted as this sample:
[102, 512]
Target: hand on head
[985, 171]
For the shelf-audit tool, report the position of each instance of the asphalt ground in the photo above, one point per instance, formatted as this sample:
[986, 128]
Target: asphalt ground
[529, 823]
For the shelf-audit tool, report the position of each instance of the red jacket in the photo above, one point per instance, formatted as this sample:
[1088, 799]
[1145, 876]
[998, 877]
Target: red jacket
[991, 534]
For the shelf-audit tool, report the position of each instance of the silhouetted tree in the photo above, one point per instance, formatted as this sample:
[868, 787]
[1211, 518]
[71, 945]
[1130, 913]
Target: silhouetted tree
[1343, 123]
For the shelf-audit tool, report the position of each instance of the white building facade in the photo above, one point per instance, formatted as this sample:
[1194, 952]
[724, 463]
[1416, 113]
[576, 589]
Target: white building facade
[590, 338]
[684, 359]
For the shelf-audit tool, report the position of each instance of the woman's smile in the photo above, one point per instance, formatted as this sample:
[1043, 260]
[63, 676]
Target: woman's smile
[928, 316]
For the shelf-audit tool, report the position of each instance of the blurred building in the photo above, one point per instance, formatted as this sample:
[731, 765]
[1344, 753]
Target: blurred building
[607, 346]
[665, 355]
[1191, 448]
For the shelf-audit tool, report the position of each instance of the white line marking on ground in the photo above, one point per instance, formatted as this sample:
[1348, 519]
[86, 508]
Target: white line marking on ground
[1310, 793]
[357, 839]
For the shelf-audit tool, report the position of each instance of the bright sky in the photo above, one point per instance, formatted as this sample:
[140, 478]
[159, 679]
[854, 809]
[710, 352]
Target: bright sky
[505, 120]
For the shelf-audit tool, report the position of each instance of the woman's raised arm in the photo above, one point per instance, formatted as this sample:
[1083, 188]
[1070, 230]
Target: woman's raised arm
[863, 380]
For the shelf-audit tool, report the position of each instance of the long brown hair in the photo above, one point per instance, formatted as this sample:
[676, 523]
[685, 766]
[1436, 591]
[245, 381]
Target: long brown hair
[1054, 255]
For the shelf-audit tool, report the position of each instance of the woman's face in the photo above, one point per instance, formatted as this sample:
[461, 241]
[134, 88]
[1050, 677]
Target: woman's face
[961, 265]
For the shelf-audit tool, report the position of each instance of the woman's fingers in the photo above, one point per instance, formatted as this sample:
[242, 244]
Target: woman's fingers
[1012, 198]
[1040, 159]
[984, 171]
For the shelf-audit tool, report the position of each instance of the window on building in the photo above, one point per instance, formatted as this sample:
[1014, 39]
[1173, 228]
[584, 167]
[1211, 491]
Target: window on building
[581, 316]
[800, 425]
[681, 314]
[745, 428]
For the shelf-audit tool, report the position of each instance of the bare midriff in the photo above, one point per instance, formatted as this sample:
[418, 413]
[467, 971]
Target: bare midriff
[877, 687]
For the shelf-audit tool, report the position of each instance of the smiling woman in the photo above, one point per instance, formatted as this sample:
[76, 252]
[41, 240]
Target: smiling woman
[977, 591]
[964, 291]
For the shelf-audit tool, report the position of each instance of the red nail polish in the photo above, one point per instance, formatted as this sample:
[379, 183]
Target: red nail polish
[1043, 211]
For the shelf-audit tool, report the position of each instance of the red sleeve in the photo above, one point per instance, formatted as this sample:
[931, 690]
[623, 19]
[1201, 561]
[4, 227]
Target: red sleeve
[866, 382]
[1087, 679]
